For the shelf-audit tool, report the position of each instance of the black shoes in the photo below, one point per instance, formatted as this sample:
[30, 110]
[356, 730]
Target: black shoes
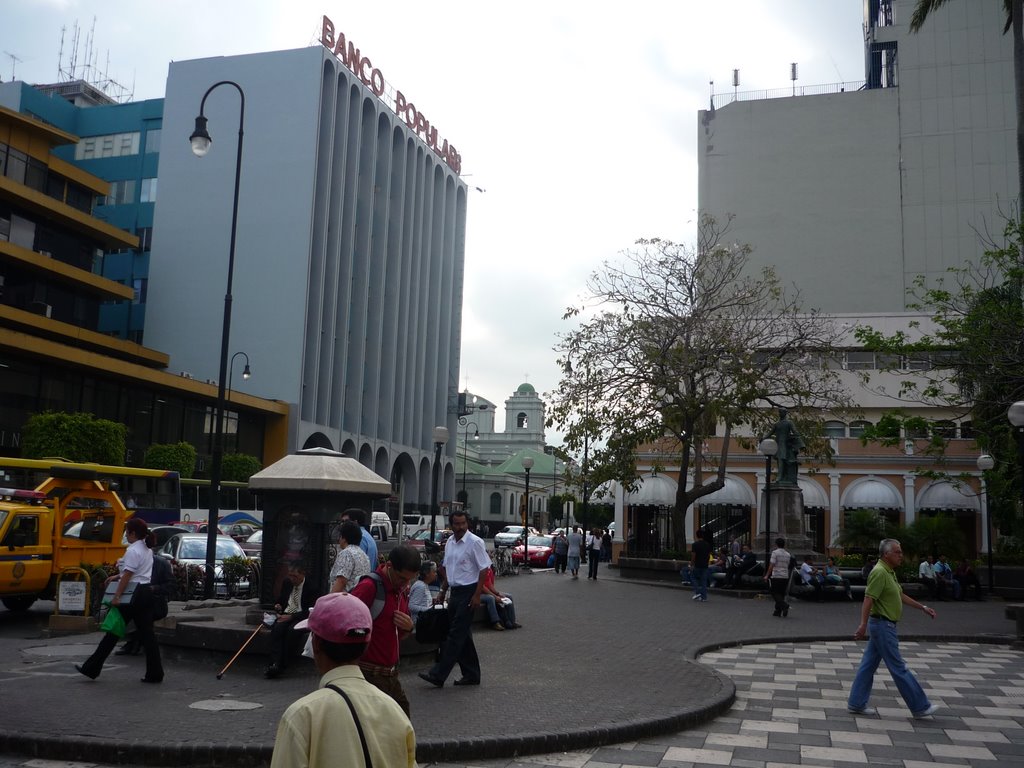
[90, 675]
[464, 681]
[128, 649]
[272, 671]
[434, 681]
[151, 679]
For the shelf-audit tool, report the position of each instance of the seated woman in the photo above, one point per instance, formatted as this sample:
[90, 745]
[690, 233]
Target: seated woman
[832, 576]
[492, 599]
[421, 597]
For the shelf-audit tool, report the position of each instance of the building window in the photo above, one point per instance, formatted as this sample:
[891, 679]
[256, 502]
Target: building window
[35, 175]
[944, 429]
[153, 141]
[835, 429]
[859, 360]
[147, 191]
[121, 193]
[139, 286]
[495, 504]
[17, 164]
[145, 235]
[112, 145]
[857, 428]
[521, 421]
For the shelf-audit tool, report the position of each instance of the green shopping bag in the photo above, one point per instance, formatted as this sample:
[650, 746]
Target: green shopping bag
[114, 622]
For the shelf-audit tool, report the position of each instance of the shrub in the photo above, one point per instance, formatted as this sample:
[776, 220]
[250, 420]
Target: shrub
[175, 457]
[239, 467]
[73, 436]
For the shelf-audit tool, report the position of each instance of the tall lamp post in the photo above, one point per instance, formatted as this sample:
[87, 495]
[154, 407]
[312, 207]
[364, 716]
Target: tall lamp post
[985, 463]
[769, 448]
[440, 438]
[200, 140]
[464, 422]
[527, 465]
[1016, 416]
[246, 371]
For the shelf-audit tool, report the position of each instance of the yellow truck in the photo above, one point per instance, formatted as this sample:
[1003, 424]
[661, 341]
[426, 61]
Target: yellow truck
[65, 528]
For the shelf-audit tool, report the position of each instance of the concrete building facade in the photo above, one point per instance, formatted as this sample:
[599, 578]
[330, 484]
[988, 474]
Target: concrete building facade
[347, 294]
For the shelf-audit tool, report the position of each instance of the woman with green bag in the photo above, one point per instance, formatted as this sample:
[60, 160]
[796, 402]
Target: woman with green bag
[136, 570]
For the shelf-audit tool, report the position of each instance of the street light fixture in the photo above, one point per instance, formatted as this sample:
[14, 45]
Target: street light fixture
[769, 448]
[527, 465]
[201, 141]
[246, 372]
[440, 438]
[1015, 414]
[985, 463]
[464, 422]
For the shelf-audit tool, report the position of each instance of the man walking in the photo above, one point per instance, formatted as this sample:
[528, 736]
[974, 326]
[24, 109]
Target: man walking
[881, 610]
[778, 576]
[346, 721]
[464, 569]
[699, 558]
[386, 593]
[574, 551]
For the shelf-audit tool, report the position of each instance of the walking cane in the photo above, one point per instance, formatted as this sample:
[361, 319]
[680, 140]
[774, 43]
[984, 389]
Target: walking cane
[268, 621]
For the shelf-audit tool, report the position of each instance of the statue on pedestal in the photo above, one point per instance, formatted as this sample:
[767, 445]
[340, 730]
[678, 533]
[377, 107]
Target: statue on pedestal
[790, 443]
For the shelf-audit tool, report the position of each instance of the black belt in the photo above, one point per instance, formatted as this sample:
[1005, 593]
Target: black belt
[883, 618]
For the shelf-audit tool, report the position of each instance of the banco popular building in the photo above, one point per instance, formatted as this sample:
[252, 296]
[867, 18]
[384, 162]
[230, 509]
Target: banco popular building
[347, 293]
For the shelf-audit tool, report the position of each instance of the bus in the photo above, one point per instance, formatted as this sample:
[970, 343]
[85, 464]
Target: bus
[237, 503]
[157, 496]
[153, 494]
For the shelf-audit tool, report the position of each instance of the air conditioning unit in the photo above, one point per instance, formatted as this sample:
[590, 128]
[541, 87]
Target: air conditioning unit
[41, 308]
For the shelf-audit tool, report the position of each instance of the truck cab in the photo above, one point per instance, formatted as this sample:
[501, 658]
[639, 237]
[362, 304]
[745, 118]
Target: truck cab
[66, 523]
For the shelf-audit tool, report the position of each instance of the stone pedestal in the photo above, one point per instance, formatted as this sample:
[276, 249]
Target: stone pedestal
[787, 520]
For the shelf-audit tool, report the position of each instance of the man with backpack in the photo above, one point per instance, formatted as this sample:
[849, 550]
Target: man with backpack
[386, 593]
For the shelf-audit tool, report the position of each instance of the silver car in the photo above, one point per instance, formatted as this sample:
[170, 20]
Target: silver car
[510, 534]
[189, 549]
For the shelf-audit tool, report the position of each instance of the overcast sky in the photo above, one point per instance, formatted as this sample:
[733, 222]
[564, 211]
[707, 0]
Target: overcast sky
[577, 117]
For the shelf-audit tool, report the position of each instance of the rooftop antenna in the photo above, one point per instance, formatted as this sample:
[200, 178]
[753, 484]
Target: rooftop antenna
[14, 62]
[793, 75]
[711, 83]
[735, 84]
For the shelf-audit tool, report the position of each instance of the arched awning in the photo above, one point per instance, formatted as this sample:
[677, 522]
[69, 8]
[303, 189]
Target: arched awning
[814, 494]
[653, 491]
[735, 492]
[942, 494]
[604, 494]
[872, 493]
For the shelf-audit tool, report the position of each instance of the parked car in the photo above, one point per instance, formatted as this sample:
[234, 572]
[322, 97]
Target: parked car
[162, 532]
[240, 531]
[189, 549]
[253, 546]
[195, 526]
[511, 534]
[541, 548]
[419, 541]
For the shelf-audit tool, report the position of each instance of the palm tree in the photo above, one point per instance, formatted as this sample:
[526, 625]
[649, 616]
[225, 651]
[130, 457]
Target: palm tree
[862, 530]
[1015, 21]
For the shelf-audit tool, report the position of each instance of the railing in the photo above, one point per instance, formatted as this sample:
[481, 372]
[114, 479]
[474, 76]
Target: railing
[721, 99]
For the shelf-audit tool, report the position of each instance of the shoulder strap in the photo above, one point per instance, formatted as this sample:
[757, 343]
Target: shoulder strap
[359, 726]
[379, 598]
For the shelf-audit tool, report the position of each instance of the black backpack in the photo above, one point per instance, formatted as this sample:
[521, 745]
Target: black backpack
[161, 581]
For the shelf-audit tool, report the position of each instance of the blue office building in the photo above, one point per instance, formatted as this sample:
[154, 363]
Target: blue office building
[120, 143]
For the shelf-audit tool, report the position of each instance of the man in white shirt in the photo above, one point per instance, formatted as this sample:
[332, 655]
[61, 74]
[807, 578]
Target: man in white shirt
[926, 572]
[464, 569]
[811, 577]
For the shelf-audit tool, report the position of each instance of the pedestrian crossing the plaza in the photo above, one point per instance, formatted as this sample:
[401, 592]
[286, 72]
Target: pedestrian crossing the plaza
[790, 710]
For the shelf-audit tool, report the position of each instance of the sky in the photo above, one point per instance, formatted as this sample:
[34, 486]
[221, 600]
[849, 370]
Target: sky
[576, 121]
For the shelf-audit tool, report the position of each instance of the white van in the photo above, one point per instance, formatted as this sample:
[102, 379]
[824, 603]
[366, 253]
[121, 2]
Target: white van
[415, 522]
[381, 520]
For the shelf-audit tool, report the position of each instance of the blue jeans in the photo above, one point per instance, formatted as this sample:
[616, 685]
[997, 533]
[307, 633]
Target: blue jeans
[488, 602]
[699, 577]
[884, 645]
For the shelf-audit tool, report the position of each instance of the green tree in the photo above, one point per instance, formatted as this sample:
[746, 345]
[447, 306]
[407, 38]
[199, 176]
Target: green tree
[73, 436]
[1015, 21]
[968, 359]
[674, 344]
[862, 530]
[175, 457]
[239, 467]
[935, 535]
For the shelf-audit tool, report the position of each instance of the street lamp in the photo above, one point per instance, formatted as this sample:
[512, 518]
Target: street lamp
[440, 438]
[246, 372]
[769, 448]
[464, 422]
[1016, 416]
[201, 141]
[527, 465]
[985, 463]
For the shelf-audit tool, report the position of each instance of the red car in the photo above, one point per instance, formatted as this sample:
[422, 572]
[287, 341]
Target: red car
[541, 549]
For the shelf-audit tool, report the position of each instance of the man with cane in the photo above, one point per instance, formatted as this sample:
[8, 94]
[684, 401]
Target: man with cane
[297, 596]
